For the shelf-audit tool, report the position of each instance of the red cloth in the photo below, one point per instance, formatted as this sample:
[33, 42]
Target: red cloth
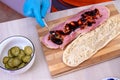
[58, 5]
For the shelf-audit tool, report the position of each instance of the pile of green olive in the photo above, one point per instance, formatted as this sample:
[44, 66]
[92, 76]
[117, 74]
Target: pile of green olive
[17, 58]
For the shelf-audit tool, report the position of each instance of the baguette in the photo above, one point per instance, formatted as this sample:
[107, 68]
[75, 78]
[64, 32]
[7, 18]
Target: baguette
[84, 47]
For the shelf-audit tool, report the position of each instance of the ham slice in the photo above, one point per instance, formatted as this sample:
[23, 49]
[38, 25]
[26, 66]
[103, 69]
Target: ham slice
[104, 15]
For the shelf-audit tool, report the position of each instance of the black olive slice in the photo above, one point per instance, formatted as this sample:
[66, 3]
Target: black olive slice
[56, 40]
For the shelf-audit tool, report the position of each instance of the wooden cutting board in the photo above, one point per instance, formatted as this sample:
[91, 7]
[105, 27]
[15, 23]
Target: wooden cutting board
[54, 57]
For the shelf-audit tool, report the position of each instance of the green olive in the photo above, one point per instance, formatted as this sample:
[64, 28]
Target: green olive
[15, 51]
[26, 58]
[16, 62]
[21, 54]
[21, 65]
[7, 66]
[10, 62]
[5, 59]
[28, 50]
[9, 53]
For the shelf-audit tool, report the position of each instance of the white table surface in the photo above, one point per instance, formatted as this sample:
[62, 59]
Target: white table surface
[39, 70]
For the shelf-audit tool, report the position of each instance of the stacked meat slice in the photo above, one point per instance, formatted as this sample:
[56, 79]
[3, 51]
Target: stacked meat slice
[81, 23]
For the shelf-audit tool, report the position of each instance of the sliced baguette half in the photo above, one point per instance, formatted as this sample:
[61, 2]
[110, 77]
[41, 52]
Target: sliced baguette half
[84, 47]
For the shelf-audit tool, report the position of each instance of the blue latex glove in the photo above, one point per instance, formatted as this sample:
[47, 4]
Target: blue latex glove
[37, 9]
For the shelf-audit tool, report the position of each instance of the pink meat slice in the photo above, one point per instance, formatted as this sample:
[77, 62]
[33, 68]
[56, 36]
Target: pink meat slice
[67, 39]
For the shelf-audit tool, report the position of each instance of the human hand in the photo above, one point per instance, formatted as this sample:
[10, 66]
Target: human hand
[37, 9]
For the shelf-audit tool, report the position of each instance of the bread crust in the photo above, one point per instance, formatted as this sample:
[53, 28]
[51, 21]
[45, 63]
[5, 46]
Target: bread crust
[84, 47]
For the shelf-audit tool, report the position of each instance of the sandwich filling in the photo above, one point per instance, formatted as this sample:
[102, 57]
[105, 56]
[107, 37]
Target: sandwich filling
[87, 20]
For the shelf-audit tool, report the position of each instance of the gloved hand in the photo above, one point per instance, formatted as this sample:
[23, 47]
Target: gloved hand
[37, 9]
